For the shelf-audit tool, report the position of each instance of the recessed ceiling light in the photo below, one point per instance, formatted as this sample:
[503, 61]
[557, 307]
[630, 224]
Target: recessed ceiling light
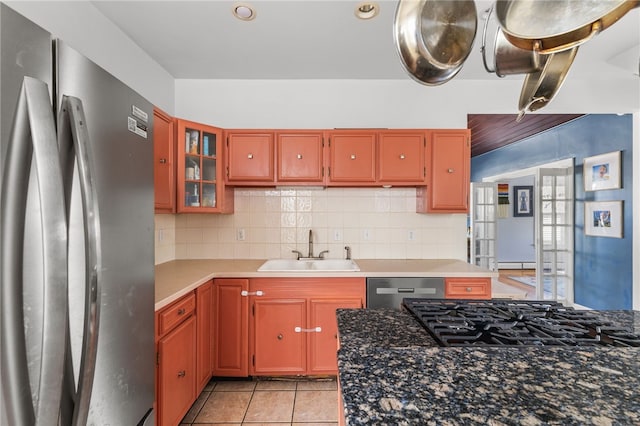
[244, 12]
[367, 10]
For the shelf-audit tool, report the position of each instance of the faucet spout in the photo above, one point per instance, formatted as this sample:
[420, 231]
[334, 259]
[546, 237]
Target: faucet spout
[310, 243]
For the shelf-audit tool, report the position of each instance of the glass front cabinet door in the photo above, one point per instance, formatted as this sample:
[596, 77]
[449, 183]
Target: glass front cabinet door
[200, 180]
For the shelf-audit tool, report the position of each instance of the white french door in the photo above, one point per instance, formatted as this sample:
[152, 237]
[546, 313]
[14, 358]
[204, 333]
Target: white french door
[554, 229]
[483, 235]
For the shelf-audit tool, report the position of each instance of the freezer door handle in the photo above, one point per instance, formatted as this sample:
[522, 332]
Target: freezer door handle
[73, 138]
[33, 136]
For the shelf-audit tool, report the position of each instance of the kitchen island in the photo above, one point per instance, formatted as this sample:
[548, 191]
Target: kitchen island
[392, 372]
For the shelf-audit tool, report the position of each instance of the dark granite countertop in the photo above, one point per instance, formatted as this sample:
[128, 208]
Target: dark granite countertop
[392, 373]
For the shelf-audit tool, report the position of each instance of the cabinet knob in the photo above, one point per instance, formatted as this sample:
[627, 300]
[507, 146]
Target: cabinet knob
[181, 311]
[353, 156]
[468, 289]
[449, 170]
[280, 336]
[163, 161]
[250, 156]
[402, 157]
[182, 373]
[299, 156]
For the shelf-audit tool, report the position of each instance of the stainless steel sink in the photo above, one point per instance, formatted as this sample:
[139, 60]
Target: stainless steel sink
[309, 265]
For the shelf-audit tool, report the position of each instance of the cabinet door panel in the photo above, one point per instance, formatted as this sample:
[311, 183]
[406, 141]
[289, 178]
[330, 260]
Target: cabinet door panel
[300, 157]
[204, 302]
[323, 345]
[449, 156]
[353, 157]
[250, 157]
[278, 347]
[164, 175]
[177, 372]
[231, 328]
[402, 157]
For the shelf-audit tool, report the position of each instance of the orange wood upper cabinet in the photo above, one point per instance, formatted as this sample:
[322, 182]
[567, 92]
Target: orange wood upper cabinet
[352, 157]
[200, 178]
[323, 345]
[448, 163]
[293, 325]
[467, 288]
[231, 327]
[402, 157]
[250, 157]
[279, 342]
[300, 157]
[164, 166]
[204, 302]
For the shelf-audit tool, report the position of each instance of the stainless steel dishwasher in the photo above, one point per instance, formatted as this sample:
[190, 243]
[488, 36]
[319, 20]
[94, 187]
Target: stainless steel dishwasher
[389, 292]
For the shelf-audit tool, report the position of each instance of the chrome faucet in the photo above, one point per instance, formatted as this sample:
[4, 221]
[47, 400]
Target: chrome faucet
[310, 255]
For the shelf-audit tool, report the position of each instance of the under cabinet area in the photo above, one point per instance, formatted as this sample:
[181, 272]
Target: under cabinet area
[293, 327]
[280, 326]
[183, 353]
[176, 360]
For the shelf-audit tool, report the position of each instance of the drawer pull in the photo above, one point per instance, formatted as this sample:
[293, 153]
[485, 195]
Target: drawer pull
[402, 157]
[449, 170]
[182, 373]
[280, 336]
[250, 156]
[353, 156]
[299, 156]
[468, 289]
[251, 293]
[163, 161]
[181, 311]
[307, 330]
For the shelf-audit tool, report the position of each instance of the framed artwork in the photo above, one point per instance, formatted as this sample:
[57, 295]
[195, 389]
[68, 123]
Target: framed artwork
[522, 201]
[602, 171]
[603, 218]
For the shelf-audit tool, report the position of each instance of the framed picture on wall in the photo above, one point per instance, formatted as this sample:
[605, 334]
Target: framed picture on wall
[522, 201]
[602, 171]
[603, 219]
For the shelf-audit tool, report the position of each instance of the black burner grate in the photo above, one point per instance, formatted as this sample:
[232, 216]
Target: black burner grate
[502, 322]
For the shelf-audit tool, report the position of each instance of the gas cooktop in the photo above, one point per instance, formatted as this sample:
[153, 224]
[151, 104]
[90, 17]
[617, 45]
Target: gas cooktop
[519, 323]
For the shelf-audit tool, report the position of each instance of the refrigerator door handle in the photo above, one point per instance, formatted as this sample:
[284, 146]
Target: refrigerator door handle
[33, 135]
[76, 151]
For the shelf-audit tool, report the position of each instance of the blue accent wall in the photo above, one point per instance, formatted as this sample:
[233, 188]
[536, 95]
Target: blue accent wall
[602, 266]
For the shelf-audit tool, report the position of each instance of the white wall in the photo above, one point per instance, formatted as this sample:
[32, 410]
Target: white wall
[83, 27]
[382, 103]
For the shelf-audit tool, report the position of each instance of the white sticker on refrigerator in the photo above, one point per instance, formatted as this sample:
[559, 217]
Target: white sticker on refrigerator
[137, 128]
[137, 112]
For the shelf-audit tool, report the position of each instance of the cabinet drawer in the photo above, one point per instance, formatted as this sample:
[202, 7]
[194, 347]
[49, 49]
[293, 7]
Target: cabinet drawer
[468, 288]
[176, 313]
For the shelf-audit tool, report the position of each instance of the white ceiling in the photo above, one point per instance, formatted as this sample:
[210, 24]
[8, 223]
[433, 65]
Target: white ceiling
[318, 39]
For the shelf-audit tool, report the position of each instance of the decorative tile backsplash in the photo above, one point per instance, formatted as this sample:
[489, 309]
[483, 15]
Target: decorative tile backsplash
[377, 223]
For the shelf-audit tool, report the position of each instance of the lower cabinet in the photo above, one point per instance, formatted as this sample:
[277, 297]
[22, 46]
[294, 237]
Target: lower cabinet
[183, 354]
[204, 342]
[176, 360]
[231, 327]
[467, 288]
[293, 328]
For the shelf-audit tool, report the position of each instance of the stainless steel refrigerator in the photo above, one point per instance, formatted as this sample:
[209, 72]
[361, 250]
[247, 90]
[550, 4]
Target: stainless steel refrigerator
[77, 253]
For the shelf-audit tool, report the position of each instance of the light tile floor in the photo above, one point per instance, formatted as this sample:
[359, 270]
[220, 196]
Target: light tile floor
[269, 401]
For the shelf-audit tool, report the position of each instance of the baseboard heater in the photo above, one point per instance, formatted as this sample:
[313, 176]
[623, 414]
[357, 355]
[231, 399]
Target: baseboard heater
[516, 265]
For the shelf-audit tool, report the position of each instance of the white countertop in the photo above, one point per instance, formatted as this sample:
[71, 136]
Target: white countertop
[176, 278]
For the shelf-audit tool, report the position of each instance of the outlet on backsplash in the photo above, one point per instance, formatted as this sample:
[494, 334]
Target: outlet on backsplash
[240, 235]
